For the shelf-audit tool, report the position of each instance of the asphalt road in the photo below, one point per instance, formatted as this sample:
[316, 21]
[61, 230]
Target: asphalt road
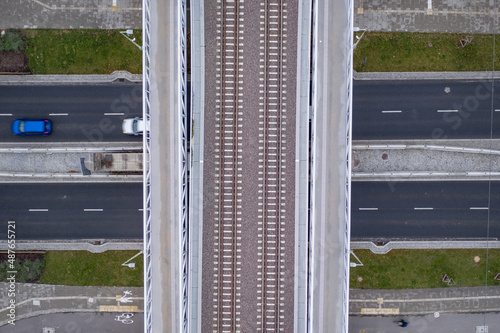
[424, 210]
[85, 322]
[80, 113]
[72, 210]
[424, 110]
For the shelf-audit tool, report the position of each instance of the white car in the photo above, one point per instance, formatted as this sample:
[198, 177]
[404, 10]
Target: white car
[133, 126]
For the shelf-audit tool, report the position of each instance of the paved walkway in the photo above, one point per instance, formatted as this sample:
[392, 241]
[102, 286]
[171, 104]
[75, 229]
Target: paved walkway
[35, 299]
[456, 16]
[423, 301]
[71, 14]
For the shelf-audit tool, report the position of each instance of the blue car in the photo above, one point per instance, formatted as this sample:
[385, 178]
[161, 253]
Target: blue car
[32, 127]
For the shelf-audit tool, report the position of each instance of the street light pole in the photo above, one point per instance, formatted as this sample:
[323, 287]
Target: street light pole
[356, 29]
[127, 33]
[354, 264]
[132, 264]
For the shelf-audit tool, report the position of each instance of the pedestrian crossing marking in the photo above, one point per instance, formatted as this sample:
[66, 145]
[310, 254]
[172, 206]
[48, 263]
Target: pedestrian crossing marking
[118, 308]
[379, 311]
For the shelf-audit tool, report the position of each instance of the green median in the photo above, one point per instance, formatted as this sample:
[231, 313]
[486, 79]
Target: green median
[425, 52]
[408, 269]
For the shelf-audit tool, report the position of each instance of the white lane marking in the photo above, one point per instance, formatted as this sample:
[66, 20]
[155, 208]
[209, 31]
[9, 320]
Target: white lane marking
[447, 110]
[114, 114]
[93, 210]
[5, 114]
[392, 111]
[497, 110]
[141, 210]
[423, 208]
[38, 210]
[429, 4]
[58, 114]
[478, 208]
[368, 208]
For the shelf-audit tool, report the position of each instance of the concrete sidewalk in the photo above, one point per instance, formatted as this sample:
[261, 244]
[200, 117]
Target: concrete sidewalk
[70, 14]
[451, 16]
[36, 299]
[423, 301]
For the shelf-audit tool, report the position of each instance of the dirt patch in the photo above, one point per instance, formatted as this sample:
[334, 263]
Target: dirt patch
[22, 256]
[14, 62]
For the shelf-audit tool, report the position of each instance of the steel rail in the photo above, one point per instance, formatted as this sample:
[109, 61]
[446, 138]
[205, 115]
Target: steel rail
[228, 167]
[272, 277]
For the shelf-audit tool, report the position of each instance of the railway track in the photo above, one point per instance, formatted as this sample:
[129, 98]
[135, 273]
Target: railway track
[272, 170]
[227, 243]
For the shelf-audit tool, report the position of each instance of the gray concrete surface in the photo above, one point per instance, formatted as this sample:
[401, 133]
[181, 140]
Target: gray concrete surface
[165, 106]
[70, 14]
[425, 301]
[55, 165]
[427, 16]
[109, 322]
[91, 245]
[463, 76]
[68, 79]
[197, 160]
[302, 165]
[425, 245]
[426, 160]
[330, 152]
[445, 323]
[35, 299]
[58, 162]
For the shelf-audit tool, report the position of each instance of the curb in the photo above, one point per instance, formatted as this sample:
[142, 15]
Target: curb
[425, 176]
[463, 76]
[68, 150]
[428, 147]
[69, 79]
[69, 175]
[424, 245]
[93, 246]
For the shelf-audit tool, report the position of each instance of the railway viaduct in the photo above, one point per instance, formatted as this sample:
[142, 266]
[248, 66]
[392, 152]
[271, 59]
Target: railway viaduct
[247, 193]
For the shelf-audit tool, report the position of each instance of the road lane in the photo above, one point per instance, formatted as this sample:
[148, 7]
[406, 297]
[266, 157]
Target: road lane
[424, 210]
[426, 110]
[80, 113]
[72, 210]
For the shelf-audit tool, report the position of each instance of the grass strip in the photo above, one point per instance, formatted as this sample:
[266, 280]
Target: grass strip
[82, 51]
[408, 269]
[424, 52]
[83, 268]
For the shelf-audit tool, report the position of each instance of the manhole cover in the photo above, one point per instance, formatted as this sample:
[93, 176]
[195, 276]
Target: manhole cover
[385, 156]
